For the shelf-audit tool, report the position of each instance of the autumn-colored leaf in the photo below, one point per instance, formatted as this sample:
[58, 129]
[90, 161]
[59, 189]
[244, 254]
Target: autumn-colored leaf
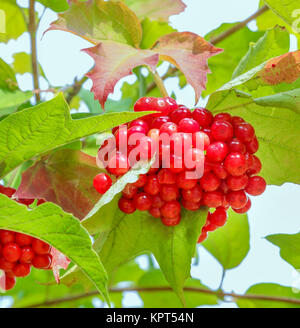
[64, 178]
[114, 61]
[98, 20]
[189, 53]
[155, 9]
[285, 68]
[59, 261]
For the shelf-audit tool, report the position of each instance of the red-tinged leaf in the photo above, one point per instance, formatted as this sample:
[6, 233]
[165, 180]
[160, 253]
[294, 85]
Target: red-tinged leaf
[156, 9]
[98, 20]
[114, 61]
[64, 178]
[59, 261]
[189, 53]
[285, 68]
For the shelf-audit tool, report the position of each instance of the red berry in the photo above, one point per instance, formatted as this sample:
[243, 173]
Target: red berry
[152, 185]
[27, 254]
[6, 265]
[176, 164]
[188, 125]
[169, 128]
[143, 104]
[166, 176]
[244, 132]
[222, 130]
[217, 151]
[203, 236]
[256, 186]
[219, 217]
[11, 252]
[155, 211]
[40, 247]
[129, 191]
[223, 117]
[141, 181]
[169, 192]
[142, 201]
[256, 166]
[219, 170]
[179, 114]
[192, 195]
[159, 121]
[210, 226]
[118, 164]
[235, 145]
[171, 210]
[184, 183]
[244, 209]
[42, 261]
[141, 123]
[134, 133]
[23, 240]
[10, 282]
[102, 182]
[213, 199]
[126, 205]
[7, 236]
[235, 164]
[201, 140]
[157, 201]
[171, 222]
[237, 182]
[209, 182]
[203, 117]
[237, 199]
[235, 120]
[21, 270]
[190, 206]
[252, 146]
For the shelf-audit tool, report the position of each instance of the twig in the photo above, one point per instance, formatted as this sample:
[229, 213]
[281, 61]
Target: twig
[219, 294]
[160, 84]
[34, 62]
[74, 90]
[216, 40]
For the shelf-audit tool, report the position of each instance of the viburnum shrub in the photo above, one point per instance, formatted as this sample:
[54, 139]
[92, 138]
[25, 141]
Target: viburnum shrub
[180, 140]
[89, 183]
[19, 252]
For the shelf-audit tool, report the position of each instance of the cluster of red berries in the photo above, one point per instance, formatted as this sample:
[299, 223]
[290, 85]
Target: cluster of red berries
[18, 252]
[229, 173]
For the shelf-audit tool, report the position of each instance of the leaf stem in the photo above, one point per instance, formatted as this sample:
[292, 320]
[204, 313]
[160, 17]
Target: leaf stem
[34, 62]
[218, 293]
[160, 84]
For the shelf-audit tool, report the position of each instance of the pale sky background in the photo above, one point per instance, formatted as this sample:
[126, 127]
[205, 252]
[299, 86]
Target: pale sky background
[277, 211]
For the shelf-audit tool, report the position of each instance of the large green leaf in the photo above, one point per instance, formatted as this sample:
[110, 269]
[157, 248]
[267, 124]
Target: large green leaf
[100, 20]
[167, 299]
[275, 42]
[276, 121]
[61, 230]
[269, 290]
[15, 24]
[235, 47]
[230, 244]
[289, 247]
[139, 233]
[39, 129]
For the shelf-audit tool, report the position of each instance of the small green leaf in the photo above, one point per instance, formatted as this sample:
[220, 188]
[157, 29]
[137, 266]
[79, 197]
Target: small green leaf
[61, 230]
[7, 77]
[289, 247]
[230, 244]
[56, 5]
[274, 290]
[168, 299]
[11, 100]
[39, 129]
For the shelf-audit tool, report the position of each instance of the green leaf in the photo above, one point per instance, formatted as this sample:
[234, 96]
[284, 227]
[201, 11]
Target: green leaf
[168, 299]
[7, 77]
[22, 64]
[275, 42]
[269, 290]
[287, 10]
[155, 9]
[101, 20]
[235, 47]
[130, 177]
[152, 31]
[15, 24]
[56, 5]
[139, 233]
[289, 247]
[38, 129]
[61, 230]
[230, 244]
[9, 101]
[279, 151]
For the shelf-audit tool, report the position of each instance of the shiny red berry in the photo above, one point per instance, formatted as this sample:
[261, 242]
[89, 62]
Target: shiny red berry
[7, 236]
[244, 209]
[126, 205]
[217, 151]
[102, 182]
[179, 114]
[222, 130]
[42, 261]
[155, 211]
[190, 206]
[171, 210]
[129, 191]
[237, 182]
[213, 199]
[218, 217]
[235, 145]
[169, 192]
[118, 164]
[183, 182]
[27, 255]
[152, 186]
[244, 131]
[11, 252]
[203, 117]
[237, 199]
[166, 176]
[40, 247]
[188, 125]
[21, 270]
[256, 186]
[209, 182]
[236, 164]
[142, 201]
[22, 239]
[192, 195]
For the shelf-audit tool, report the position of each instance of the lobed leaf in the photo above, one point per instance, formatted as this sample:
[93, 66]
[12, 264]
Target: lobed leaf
[61, 230]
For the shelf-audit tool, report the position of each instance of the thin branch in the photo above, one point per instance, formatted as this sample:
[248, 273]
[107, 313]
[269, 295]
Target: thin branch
[34, 62]
[219, 294]
[160, 84]
[216, 40]
[74, 90]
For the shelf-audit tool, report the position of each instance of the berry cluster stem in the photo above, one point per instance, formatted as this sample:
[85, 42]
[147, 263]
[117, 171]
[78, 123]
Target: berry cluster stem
[160, 84]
